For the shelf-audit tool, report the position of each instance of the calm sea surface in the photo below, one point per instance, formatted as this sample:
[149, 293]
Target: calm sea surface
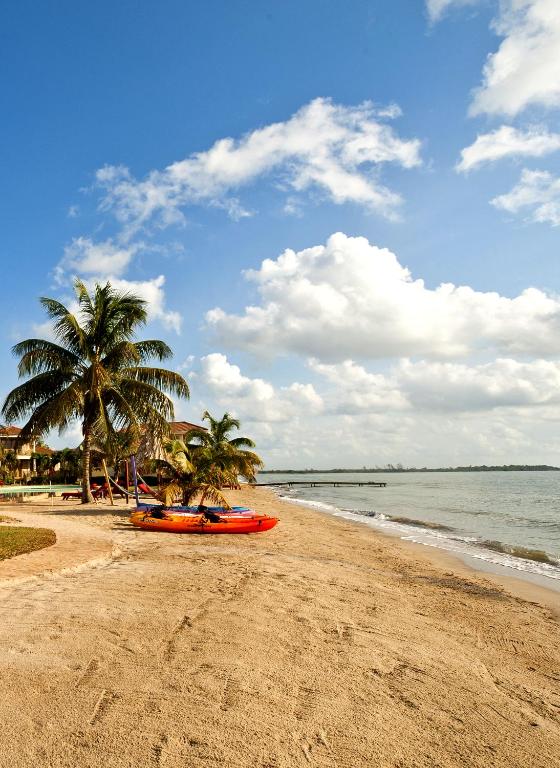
[509, 519]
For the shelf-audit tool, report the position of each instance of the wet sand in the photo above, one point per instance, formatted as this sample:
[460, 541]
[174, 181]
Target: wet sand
[319, 643]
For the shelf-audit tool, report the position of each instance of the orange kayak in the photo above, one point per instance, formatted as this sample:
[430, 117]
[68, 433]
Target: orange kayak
[199, 524]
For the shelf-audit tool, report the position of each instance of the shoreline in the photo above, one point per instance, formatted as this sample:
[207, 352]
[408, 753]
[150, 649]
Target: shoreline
[524, 584]
[314, 643]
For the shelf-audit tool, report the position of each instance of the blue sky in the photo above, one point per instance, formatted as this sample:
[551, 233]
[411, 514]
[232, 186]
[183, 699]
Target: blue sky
[344, 117]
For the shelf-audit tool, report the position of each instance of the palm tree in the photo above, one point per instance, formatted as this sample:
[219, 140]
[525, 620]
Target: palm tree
[179, 473]
[95, 372]
[214, 461]
[10, 461]
[68, 460]
[218, 436]
[42, 462]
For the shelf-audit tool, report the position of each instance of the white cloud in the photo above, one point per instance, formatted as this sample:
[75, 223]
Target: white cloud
[438, 8]
[349, 299]
[44, 330]
[323, 145]
[99, 262]
[459, 387]
[355, 390]
[525, 70]
[419, 413]
[86, 257]
[255, 400]
[293, 207]
[537, 193]
[153, 293]
[507, 141]
[435, 386]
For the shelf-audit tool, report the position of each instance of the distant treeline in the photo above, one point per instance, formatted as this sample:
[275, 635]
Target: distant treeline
[399, 468]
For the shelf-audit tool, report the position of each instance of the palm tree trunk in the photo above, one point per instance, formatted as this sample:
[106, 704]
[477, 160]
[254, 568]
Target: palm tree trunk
[87, 497]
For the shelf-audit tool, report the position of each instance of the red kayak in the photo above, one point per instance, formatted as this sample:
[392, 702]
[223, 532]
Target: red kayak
[200, 524]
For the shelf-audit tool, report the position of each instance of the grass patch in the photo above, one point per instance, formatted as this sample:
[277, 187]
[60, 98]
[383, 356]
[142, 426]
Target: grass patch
[6, 519]
[19, 541]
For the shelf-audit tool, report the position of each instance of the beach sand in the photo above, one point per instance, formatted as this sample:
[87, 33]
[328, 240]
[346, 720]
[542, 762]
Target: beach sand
[319, 643]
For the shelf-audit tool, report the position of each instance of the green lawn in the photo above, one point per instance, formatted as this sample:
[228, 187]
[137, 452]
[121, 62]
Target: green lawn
[18, 541]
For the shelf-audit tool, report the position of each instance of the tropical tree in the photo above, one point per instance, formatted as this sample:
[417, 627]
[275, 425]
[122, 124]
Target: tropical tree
[218, 437]
[68, 461]
[10, 463]
[228, 458]
[95, 372]
[216, 460]
[120, 449]
[42, 462]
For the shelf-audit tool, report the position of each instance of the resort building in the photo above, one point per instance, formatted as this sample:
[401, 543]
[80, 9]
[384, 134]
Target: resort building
[20, 458]
[152, 448]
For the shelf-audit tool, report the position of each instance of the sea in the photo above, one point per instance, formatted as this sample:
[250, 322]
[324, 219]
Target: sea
[492, 520]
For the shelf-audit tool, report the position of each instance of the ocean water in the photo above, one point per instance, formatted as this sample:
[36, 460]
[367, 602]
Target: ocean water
[497, 519]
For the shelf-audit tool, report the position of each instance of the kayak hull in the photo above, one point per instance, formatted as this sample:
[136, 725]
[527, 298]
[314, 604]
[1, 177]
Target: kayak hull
[181, 524]
[179, 510]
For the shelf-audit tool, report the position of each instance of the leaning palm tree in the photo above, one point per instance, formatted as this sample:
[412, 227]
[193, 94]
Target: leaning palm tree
[219, 437]
[216, 449]
[95, 372]
[192, 472]
[211, 461]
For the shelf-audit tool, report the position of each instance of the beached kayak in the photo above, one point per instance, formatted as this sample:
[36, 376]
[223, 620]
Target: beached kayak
[200, 524]
[180, 510]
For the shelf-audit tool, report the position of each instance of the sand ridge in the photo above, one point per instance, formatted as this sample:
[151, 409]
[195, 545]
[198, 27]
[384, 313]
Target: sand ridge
[318, 643]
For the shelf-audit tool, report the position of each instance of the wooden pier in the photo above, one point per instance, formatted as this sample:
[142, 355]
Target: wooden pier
[332, 483]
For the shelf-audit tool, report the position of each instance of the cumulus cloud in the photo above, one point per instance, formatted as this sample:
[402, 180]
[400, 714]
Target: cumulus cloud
[438, 8]
[507, 141]
[355, 390]
[435, 386]
[537, 194]
[108, 260]
[525, 70]
[324, 145]
[86, 257]
[349, 299]
[255, 399]
[425, 412]
[460, 387]
[152, 291]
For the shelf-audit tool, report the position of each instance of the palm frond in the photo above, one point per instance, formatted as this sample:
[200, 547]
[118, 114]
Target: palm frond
[153, 349]
[169, 381]
[27, 396]
[143, 397]
[40, 355]
[199, 434]
[242, 442]
[56, 412]
[121, 356]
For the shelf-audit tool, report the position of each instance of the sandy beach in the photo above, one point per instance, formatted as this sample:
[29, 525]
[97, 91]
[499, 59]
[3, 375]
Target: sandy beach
[319, 643]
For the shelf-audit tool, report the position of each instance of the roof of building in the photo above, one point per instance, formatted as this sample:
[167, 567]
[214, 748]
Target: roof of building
[9, 431]
[182, 427]
[44, 449]
[15, 431]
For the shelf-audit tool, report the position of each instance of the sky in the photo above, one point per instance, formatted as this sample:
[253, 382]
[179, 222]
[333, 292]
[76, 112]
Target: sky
[344, 216]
